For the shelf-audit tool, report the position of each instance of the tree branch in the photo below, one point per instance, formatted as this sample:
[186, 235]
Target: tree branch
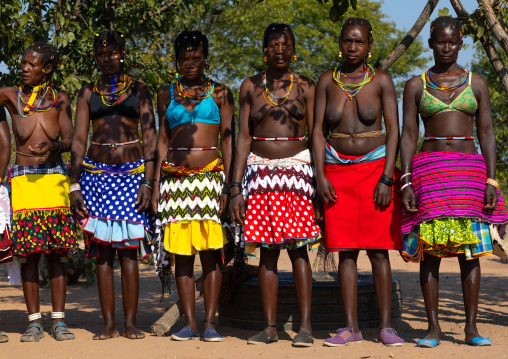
[409, 38]
[495, 26]
[162, 9]
[487, 44]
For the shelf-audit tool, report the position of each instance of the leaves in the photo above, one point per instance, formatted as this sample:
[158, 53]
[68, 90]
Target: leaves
[443, 12]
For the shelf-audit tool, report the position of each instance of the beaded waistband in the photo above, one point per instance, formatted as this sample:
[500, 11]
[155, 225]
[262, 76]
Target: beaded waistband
[468, 138]
[278, 138]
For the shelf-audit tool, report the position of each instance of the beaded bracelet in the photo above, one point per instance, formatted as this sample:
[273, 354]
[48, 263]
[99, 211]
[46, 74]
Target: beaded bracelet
[386, 180]
[404, 186]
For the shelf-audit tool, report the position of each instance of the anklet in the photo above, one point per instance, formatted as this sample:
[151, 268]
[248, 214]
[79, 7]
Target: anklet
[35, 316]
[272, 325]
[57, 315]
[208, 321]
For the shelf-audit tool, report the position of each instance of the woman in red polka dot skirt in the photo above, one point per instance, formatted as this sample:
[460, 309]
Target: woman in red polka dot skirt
[273, 202]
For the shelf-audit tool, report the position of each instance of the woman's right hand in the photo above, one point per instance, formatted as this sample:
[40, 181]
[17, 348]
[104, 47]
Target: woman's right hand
[237, 209]
[326, 191]
[409, 200]
[78, 205]
[154, 201]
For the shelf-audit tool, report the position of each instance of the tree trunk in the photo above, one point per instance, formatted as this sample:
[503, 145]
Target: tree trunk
[410, 37]
[487, 44]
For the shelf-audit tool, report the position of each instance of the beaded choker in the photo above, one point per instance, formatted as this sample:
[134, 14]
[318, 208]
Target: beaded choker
[351, 90]
[28, 107]
[435, 86]
[195, 99]
[270, 95]
[115, 94]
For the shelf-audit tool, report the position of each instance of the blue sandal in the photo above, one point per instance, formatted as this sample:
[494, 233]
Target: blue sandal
[60, 332]
[33, 333]
[427, 343]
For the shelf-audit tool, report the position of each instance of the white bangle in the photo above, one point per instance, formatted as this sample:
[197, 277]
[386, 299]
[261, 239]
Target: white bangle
[405, 175]
[407, 184]
[35, 316]
[74, 187]
[57, 315]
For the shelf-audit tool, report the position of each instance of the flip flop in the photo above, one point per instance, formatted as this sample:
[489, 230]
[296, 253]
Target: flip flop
[427, 343]
[33, 333]
[479, 342]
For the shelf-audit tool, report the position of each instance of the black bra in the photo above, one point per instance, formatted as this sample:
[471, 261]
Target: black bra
[128, 107]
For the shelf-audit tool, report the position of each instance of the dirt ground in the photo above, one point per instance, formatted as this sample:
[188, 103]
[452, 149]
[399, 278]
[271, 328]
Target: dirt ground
[84, 319]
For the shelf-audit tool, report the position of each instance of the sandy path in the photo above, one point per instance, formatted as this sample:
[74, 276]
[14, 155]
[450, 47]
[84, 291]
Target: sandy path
[84, 319]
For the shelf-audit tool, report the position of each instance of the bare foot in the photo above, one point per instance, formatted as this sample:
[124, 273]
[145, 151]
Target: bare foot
[132, 332]
[106, 334]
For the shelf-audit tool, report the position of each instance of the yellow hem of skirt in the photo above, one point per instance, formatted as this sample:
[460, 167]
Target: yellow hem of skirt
[189, 237]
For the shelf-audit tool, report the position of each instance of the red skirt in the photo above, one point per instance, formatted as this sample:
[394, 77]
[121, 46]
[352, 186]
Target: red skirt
[353, 222]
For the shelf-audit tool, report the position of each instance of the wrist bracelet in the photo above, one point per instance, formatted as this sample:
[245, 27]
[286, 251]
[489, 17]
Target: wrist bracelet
[233, 196]
[150, 160]
[146, 185]
[74, 187]
[235, 184]
[407, 184]
[386, 180]
[146, 181]
[60, 148]
[225, 189]
[405, 175]
[493, 182]
[156, 180]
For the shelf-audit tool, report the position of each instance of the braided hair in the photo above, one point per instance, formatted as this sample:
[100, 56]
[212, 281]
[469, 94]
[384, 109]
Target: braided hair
[189, 41]
[49, 54]
[445, 22]
[274, 28]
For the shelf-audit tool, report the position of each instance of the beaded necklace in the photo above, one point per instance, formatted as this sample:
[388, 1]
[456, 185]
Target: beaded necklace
[268, 99]
[115, 94]
[435, 86]
[351, 90]
[195, 99]
[28, 107]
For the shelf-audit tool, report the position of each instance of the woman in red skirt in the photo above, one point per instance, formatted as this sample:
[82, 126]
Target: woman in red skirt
[355, 174]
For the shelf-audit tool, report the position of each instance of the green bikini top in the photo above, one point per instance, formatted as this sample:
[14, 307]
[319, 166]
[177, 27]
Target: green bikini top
[464, 102]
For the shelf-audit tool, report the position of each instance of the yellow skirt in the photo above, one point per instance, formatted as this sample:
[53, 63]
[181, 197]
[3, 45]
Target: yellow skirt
[188, 237]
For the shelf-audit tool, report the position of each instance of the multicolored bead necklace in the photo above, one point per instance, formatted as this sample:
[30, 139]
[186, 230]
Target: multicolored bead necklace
[28, 107]
[115, 94]
[351, 90]
[284, 98]
[435, 86]
[195, 99]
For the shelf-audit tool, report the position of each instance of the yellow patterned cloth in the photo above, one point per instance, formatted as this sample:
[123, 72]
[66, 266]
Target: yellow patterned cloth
[189, 237]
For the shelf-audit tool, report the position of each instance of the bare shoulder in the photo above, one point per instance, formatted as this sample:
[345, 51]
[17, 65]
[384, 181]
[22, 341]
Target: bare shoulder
[86, 89]
[164, 91]
[63, 98]
[414, 84]
[303, 80]
[248, 83]
[478, 80]
[325, 77]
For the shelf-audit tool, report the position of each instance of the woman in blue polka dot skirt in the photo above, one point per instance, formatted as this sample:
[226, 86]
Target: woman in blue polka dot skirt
[112, 186]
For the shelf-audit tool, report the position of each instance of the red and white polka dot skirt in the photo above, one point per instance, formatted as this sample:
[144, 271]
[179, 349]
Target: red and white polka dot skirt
[279, 217]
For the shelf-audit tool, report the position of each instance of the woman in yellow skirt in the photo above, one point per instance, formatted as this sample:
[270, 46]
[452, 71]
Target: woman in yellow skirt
[189, 196]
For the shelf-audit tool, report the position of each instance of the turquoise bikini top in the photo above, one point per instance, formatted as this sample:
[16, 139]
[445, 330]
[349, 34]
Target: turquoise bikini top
[206, 111]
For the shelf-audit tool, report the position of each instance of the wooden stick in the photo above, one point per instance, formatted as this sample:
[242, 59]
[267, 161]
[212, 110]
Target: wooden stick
[410, 37]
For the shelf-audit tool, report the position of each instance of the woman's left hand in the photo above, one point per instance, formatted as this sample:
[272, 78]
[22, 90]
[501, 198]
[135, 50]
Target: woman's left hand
[382, 196]
[40, 149]
[490, 200]
[144, 197]
[223, 204]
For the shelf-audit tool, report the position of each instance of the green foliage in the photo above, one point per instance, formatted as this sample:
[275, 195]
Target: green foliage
[443, 12]
[236, 38]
